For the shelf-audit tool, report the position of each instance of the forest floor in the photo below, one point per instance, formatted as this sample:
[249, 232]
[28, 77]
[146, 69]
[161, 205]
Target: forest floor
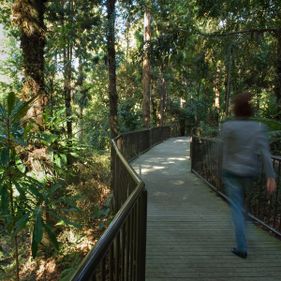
[92, 186]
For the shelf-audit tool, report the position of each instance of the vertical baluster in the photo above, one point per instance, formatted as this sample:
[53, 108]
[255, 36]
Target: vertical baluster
[259, 195]
[195, 153]
[97, 276]
[126, 250]
[278, 209]
[134, 242]
[276, 163]
[137, 231]
[117, 167]
[278, 201]
[129, 238]
[205, 172]
[117, 256]
[123, 249]
[142, 236]
[103, 269]
[111, 262]
[220, 149]
[94, 277]
[131, 261]
[208, 162]
[115, 177]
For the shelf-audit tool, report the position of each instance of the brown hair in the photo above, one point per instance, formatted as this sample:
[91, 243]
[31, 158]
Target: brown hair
[242, 105]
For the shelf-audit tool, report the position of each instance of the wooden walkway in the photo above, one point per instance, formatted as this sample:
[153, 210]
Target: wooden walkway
[189, 234]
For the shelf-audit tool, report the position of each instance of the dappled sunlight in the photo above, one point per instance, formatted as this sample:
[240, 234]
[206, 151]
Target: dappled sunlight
[163, 166]
[177, 159]
[168, 195]
[181, 140]
[160, 194]
[145, 169]
[178, 182]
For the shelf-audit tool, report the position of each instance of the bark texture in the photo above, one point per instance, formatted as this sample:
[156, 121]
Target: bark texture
[112, 92]
[146, 69]
[29, 17]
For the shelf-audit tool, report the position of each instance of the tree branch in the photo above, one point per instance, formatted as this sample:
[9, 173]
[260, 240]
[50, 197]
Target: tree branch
[248, 31]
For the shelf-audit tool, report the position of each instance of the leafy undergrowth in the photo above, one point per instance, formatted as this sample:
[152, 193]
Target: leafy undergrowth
[90, 186]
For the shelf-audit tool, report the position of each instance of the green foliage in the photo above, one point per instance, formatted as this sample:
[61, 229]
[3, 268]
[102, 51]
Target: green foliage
[26, 201]
[129, 117]
[10, 64]
[274, 133]
[96, 126]
[199, 57]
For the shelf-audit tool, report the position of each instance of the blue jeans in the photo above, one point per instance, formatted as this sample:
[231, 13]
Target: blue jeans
[235, 187]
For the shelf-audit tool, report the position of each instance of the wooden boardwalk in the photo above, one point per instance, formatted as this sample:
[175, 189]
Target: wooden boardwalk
[189, 234]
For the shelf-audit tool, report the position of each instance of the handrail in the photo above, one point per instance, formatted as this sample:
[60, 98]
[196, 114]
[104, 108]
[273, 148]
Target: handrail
[120, 252]
[206, 162]
[131, 171]
[84, 272]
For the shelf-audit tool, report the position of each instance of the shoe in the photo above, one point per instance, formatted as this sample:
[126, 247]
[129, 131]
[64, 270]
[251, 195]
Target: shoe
[238, 253]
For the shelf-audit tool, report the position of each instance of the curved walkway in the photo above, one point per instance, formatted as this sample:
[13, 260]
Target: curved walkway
[189, 231]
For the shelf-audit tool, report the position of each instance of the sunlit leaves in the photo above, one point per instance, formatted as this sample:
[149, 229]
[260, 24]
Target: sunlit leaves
[25, 198]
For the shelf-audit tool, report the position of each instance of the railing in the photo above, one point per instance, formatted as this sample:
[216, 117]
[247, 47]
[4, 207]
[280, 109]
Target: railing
[206, 162]
[120, 252]
[130, 145]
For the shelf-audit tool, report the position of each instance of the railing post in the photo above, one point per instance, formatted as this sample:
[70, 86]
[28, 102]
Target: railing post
[150, 137]
[142, 236]
[113, 178]
[191, 152]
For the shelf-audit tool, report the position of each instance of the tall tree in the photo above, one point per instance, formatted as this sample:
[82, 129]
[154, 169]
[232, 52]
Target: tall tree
[112, 92]
[147, 67]
[163, 95]
[29, 17]
[67, 61]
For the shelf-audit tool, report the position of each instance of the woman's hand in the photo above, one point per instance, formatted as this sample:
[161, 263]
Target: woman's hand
[270, 185]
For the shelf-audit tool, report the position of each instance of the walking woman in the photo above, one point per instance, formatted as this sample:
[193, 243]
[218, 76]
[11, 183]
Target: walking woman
[244, 143]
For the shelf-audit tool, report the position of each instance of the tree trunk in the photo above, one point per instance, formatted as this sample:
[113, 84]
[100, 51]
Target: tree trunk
[163, 96]
[112, 92]
[67, 54]
[146, 68]
[29, 17]
[82, 98]
[67, 72]
[228, 80]
[154, 107]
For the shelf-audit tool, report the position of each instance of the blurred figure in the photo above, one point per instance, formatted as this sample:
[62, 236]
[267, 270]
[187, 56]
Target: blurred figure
[243, 142]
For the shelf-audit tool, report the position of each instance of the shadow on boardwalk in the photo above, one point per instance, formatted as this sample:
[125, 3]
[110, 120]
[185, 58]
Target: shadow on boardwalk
[189, 235]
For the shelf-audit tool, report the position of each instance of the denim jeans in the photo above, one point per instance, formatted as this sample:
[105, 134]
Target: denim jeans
[235, 187]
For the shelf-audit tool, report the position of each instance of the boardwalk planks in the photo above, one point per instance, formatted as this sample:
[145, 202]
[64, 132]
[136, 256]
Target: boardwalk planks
[189, 235]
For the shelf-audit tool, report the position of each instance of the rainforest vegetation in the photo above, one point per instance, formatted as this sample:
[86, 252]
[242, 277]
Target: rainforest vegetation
[76, 73]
